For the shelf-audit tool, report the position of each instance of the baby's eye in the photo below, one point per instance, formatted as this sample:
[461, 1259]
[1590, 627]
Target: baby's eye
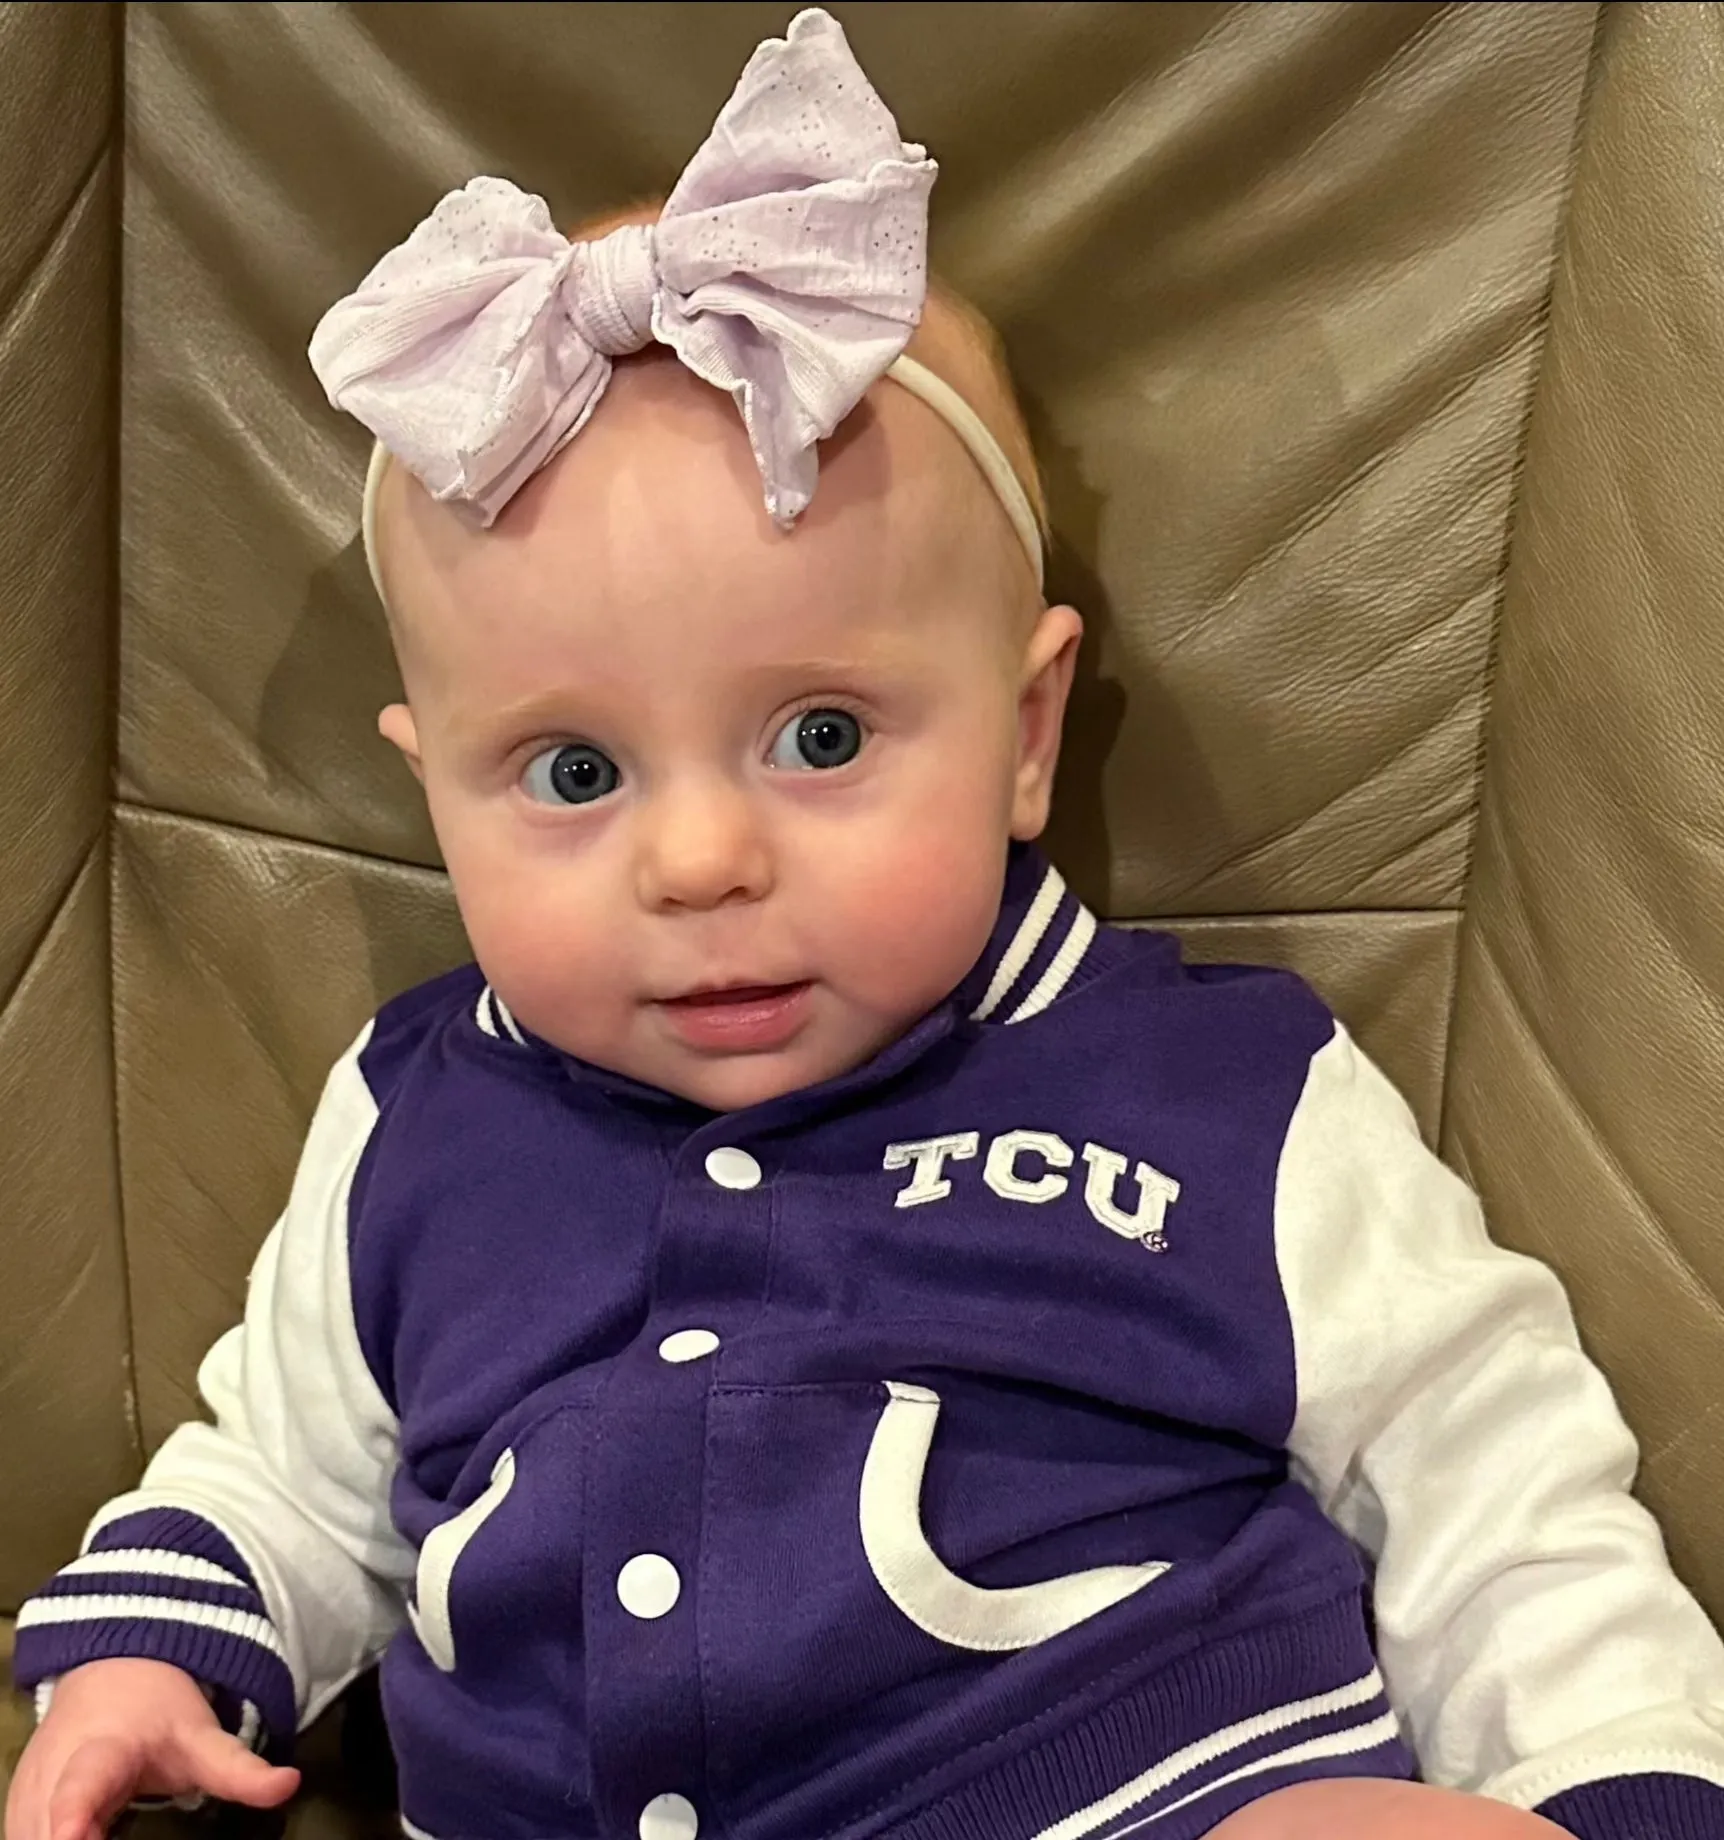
[818, 738]
[573, 774]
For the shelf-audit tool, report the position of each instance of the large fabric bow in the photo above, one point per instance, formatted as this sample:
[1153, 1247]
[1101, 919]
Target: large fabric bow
[788, 267]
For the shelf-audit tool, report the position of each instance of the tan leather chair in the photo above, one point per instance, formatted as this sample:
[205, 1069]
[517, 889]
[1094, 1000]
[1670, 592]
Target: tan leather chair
[1376, 354]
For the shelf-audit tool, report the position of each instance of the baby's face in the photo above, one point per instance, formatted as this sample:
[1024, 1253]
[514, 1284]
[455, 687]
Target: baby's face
[726, 809]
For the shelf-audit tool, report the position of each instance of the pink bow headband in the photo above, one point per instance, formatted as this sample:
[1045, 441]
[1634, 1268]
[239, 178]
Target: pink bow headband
[788, 267]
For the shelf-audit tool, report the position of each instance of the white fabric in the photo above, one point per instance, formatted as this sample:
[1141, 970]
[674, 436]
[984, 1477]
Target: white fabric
[1058, 974]
[295, 1471]
[122, 1606]
[151, 1563]
[1528, 1624]
[1347, 1743]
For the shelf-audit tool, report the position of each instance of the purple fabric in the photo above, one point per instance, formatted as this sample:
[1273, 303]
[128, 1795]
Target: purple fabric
[240, 1668]
[1101, 1404]
[1655, 1806]
[528, 1230]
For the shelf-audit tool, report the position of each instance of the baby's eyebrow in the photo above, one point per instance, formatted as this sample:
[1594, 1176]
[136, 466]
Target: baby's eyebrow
[878, 647]
[501, 727]
[876, 656]
[864, 661]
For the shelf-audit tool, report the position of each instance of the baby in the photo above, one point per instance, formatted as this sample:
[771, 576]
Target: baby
[812, 1335]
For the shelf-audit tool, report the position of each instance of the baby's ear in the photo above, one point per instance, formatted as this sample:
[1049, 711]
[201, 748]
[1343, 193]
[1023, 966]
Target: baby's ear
[1042, 693]
[396, 724]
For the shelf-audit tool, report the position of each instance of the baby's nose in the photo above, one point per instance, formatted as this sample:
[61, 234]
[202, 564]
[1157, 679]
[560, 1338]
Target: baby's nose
[701, 847]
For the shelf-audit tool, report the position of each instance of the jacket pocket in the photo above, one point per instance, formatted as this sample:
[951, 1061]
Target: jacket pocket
[444, 1545]
[923, 1588]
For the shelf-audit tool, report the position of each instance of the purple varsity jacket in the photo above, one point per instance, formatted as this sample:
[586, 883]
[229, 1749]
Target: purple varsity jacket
[1093, 1413]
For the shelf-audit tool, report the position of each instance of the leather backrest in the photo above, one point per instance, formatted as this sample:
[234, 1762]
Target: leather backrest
[1588, 1055]
[65, 1434]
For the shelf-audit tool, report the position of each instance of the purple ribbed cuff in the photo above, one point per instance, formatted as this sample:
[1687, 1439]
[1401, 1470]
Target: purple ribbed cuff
[1654, 1806]
[163, 1585]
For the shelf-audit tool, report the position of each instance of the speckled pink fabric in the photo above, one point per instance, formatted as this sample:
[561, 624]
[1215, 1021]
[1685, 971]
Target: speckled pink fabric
[789, 267]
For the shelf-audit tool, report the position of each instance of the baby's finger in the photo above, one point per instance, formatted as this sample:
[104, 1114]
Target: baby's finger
[26, 1816]
[216, 1762]
[95, 1784]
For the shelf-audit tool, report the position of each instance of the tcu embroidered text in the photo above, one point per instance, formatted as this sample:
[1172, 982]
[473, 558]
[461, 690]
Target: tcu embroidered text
[1009, 1171]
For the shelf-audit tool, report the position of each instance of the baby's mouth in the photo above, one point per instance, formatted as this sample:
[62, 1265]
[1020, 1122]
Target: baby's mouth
[719, 995]
[739, 1017]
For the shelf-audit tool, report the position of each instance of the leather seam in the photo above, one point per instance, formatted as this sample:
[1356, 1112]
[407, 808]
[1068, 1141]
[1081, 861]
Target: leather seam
[125, 808]
[36, 270]
[56, 912]
[1559, 249]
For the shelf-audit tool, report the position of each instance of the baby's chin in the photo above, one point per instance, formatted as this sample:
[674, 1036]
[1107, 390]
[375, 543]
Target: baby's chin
[735, 1082]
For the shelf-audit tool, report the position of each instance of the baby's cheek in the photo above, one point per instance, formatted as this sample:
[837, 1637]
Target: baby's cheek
[920, 908]
[550, 957]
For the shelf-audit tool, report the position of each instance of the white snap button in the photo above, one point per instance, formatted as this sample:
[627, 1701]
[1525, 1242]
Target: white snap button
[648, 1586]
[669, 1817]
[732, 1168]
[688, 1345]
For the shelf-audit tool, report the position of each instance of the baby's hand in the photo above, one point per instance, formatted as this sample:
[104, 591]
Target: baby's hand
[121, 1729]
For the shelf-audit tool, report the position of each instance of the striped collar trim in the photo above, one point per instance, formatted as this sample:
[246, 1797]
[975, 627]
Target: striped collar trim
[1037, 949]
[492, 1015]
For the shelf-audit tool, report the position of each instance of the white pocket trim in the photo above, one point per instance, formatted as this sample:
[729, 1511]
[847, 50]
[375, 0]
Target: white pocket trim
[937, 1600]
[429, 1611]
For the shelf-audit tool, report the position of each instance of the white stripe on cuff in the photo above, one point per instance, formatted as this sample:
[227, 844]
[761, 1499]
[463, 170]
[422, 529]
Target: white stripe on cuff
[155, 1562]
[244, 1624]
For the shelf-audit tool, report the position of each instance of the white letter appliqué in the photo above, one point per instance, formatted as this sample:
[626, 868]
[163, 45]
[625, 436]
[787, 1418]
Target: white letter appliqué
[1156, 1194]
[1000, 1171]
[928, 1154]
[1156, 1190]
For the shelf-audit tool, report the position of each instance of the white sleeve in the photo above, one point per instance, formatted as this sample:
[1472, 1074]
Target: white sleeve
[295, 1471]
[1531, 1632]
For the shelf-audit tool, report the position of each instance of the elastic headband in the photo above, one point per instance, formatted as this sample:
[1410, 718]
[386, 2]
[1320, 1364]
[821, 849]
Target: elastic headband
[788, 268]
[939, 395]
